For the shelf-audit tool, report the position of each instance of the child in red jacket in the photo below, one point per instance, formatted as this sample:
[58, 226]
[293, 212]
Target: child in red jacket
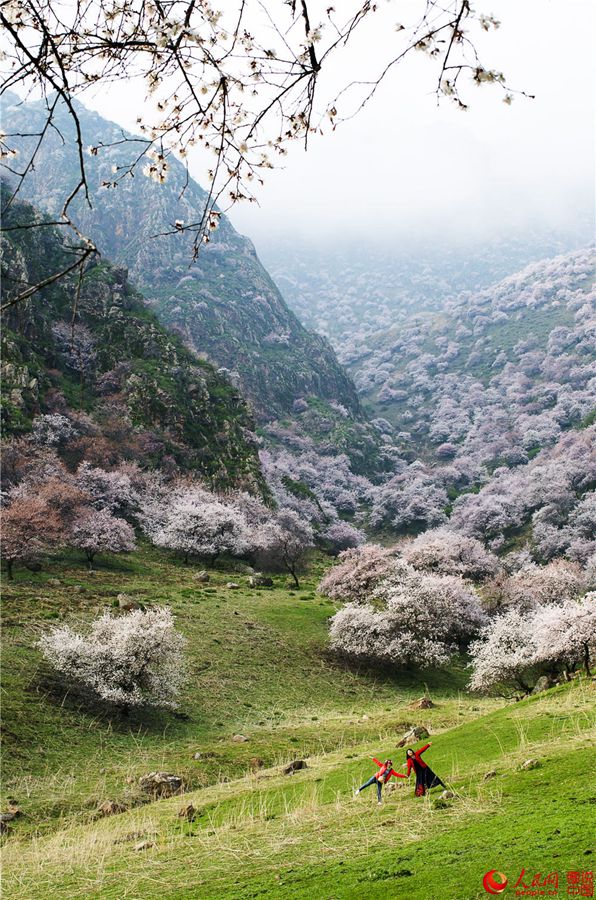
[381, 777]
[425, 777]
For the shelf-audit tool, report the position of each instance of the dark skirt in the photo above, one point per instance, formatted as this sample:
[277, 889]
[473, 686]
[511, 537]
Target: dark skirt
[426, 779]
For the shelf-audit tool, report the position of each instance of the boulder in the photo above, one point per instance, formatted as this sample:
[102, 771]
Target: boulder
[543, 684]
[447, 795]
[197, 755]
[258, 580]
[239, 738]
[161, 784]
[145, 845]
[127, 603]
[110, 808]
[255, 762]
[423, 703]
[187, 812]
[489, 775]
[54, 582]
[531, 764]
[203, 577]
[232, 586]
[295, 766]
[7, 817]
[417, 733]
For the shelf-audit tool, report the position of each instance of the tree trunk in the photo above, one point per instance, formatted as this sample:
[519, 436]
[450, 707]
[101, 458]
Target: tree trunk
[523, 686]
[90, 558]
[9, 569]
[565, 672]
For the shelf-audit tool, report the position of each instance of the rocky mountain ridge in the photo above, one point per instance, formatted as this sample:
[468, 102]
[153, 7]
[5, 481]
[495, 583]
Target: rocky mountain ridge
[225, 306]
[96, 365]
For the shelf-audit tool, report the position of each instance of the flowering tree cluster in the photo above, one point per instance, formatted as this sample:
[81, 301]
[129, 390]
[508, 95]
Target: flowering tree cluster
[556, 485]
[129, 660]
[449, 553]
[532, 586]
[357, 574]
[192, 521]
[319, 486]
[412, 619]
[515, 648]
[93, 509]
[479, 399]
[47, 507]
[412, 499]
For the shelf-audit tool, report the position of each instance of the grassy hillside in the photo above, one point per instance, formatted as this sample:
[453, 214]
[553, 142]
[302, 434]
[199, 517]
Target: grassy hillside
[258, 666]
[259, 669]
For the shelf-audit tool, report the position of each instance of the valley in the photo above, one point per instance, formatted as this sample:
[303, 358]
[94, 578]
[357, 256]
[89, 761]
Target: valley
[264, 525]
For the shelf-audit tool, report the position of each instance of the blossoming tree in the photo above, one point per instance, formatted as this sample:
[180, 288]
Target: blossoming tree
[129, 660]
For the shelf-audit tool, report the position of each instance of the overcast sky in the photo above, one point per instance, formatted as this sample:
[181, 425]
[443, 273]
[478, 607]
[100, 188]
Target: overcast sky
[407, 167]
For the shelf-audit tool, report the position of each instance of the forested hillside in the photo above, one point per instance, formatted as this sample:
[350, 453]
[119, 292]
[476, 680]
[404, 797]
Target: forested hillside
[354, 290]
[473, 404]
[88, 367]
[496, 374]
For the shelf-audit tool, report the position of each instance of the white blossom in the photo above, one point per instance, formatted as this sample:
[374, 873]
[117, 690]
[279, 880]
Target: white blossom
[129, 660]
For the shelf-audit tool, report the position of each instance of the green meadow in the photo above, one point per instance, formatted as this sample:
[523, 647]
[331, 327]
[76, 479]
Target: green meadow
[260, 671]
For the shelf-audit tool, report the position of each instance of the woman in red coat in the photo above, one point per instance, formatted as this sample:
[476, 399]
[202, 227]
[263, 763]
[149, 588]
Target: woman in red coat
[381, 777]
[425, 777]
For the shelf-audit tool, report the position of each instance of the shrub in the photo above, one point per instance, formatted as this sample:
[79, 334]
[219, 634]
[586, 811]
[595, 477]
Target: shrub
[130, 660]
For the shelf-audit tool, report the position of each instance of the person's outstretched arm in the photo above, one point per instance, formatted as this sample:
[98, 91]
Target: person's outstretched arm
[422, 749]
[397, 774]
[375, 760]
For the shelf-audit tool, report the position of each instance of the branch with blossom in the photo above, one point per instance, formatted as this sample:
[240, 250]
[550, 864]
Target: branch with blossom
[242, 82]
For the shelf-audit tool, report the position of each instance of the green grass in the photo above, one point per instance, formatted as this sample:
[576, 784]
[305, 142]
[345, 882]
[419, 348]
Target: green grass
[258, 664]
[260, 668]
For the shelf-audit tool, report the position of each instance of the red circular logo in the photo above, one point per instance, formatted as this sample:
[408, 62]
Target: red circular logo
[494, 887]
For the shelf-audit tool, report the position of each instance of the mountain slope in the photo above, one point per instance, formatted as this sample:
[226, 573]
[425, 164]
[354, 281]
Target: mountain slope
[128, 388]
[344, 290]
[225, 306]
[495, 375]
